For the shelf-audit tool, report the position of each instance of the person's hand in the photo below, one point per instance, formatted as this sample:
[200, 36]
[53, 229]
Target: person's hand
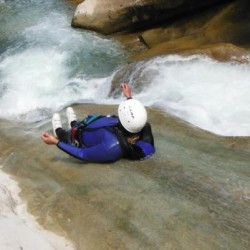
[126, 90]
[49, 138]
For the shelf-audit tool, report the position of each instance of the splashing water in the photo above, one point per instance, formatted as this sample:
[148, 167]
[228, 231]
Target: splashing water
[211, 95]
[46, 65]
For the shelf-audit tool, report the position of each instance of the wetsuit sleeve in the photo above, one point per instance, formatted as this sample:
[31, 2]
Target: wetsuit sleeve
[147, 135]
[141, 149]
[97, 153]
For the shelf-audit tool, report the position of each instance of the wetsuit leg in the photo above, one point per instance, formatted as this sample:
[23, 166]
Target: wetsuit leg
[62, 135]
[73, 124]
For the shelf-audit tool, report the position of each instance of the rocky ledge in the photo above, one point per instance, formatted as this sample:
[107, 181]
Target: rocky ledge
[167, 26]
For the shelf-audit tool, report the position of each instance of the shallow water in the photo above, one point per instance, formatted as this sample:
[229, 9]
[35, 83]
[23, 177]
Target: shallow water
[15, 219]
[194, 193]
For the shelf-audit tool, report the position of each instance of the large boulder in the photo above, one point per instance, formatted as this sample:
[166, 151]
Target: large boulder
[228, 23]
[109, 16]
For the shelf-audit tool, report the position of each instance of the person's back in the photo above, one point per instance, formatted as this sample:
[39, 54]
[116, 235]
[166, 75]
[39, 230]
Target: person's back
[97, 141]
[106, 138]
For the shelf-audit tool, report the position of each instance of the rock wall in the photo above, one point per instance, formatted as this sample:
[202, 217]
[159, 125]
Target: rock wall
[169, 26]
[228, 23]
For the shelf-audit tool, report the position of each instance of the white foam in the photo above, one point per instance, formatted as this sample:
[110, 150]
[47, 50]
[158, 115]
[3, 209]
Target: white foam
[211, 95]
[30, 76]
[48, 67]
[19, 230]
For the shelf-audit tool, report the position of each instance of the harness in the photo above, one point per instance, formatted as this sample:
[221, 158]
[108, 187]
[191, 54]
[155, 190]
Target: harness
[75, 133]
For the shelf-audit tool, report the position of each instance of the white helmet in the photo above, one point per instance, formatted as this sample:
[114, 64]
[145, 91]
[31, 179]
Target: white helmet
[132, 115]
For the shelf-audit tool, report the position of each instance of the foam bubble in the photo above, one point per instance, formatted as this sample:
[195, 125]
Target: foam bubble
[31, 78]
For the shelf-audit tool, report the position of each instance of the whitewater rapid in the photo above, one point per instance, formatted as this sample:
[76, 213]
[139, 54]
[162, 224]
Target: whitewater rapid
[208, 94]
[211, 95]
[47, 65]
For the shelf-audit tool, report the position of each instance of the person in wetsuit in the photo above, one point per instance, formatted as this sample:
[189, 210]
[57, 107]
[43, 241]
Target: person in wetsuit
[106, 138]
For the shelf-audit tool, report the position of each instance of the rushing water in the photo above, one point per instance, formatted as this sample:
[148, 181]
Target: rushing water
[211, 95]
[45, 65]
[194, 194]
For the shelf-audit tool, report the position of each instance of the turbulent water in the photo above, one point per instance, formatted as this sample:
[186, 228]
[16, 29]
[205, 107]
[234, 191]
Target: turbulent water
[194, 194]
[211, 95]
[45, 65]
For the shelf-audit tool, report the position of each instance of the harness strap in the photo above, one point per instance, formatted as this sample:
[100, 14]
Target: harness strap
[75, 133]
[75, 136]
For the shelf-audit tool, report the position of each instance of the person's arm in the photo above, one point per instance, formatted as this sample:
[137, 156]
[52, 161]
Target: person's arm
[126, 90]
[98, 153]
[145, 145]
[142, 149]
[147, 135]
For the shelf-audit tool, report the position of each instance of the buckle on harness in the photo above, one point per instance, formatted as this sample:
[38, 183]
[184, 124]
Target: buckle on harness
[74, 141]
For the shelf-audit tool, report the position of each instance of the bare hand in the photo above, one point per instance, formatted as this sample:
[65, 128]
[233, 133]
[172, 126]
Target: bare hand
[126, 90]
[49, 138]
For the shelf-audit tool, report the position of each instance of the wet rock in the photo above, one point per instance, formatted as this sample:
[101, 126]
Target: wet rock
[194, 191]
[178, 26]
[222, 52]
[228, 23]
[109, 16]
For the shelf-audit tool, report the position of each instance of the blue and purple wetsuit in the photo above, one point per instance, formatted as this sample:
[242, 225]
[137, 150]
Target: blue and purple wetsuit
[103, 141]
